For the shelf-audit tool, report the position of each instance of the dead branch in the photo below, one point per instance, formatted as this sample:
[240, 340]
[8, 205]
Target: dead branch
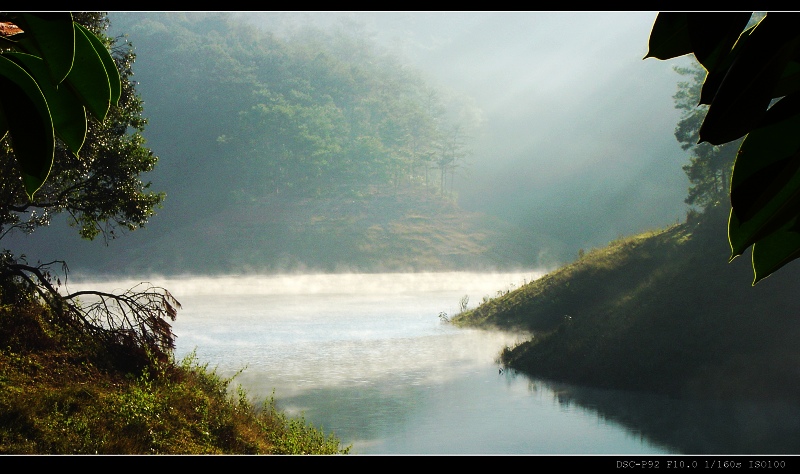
[138, 317]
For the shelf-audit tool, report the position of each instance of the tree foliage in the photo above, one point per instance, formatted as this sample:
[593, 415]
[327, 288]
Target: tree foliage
[752, 89]
[52, 70]
[312, 114]
[99, 187]
[88, 166]
[709, 168]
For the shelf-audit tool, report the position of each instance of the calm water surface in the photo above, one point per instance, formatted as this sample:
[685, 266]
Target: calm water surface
[367, 358]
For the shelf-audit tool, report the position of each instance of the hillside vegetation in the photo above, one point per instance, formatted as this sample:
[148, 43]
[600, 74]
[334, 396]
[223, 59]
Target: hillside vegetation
[659, 312]
[380, 232]
[319, 150]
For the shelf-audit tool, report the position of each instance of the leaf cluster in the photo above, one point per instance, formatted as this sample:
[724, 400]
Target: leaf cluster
[93, 175]
[752, 90]
[52, 70]
[92, 171]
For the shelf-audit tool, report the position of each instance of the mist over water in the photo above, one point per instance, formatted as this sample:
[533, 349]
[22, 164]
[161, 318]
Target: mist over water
[331, 329]
[474, 284]
[365, 356]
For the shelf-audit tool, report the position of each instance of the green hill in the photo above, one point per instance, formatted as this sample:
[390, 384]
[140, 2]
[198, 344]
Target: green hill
[404, 231]
[316, 151]
[659, 312]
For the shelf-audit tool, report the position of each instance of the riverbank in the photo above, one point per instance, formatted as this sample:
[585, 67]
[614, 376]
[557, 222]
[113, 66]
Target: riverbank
[661, 312]
[66, 393]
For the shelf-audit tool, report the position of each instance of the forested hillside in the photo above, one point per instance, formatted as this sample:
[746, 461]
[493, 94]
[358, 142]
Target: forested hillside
[659, 312]
[326, 113]
[262, 140]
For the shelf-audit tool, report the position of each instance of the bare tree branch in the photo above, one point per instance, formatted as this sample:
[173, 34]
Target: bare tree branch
[139, 316]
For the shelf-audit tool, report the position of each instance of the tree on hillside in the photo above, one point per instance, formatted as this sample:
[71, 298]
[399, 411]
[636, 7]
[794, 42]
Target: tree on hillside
[709, 168]
[295, 143]
[98, 185]
[452, 152]
[752, 89]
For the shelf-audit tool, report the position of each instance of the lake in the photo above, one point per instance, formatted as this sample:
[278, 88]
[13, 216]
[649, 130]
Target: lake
[366, 356]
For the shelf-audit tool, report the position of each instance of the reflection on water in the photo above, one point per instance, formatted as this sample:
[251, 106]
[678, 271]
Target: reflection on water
[696, 426]
[366, 357]
[483, 413]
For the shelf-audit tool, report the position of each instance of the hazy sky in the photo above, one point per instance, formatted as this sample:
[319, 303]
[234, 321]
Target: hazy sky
[577, 133]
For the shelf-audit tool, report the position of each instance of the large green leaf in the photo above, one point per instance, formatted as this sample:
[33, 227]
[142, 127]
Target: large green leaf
[766, 160]
[715, 77]
[789, 82]
[54, 38]
[713, 35]
[746, 91]
[66, 111]
[28, 119]
[669, 37]
[710, 36]
[744, 74]
[88, 77]
[110, 66]
[765, 184]
[776, 250]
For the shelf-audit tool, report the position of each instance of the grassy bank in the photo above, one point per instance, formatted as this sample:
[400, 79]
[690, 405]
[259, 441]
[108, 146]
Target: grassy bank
[660, 312]
[64, 392]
